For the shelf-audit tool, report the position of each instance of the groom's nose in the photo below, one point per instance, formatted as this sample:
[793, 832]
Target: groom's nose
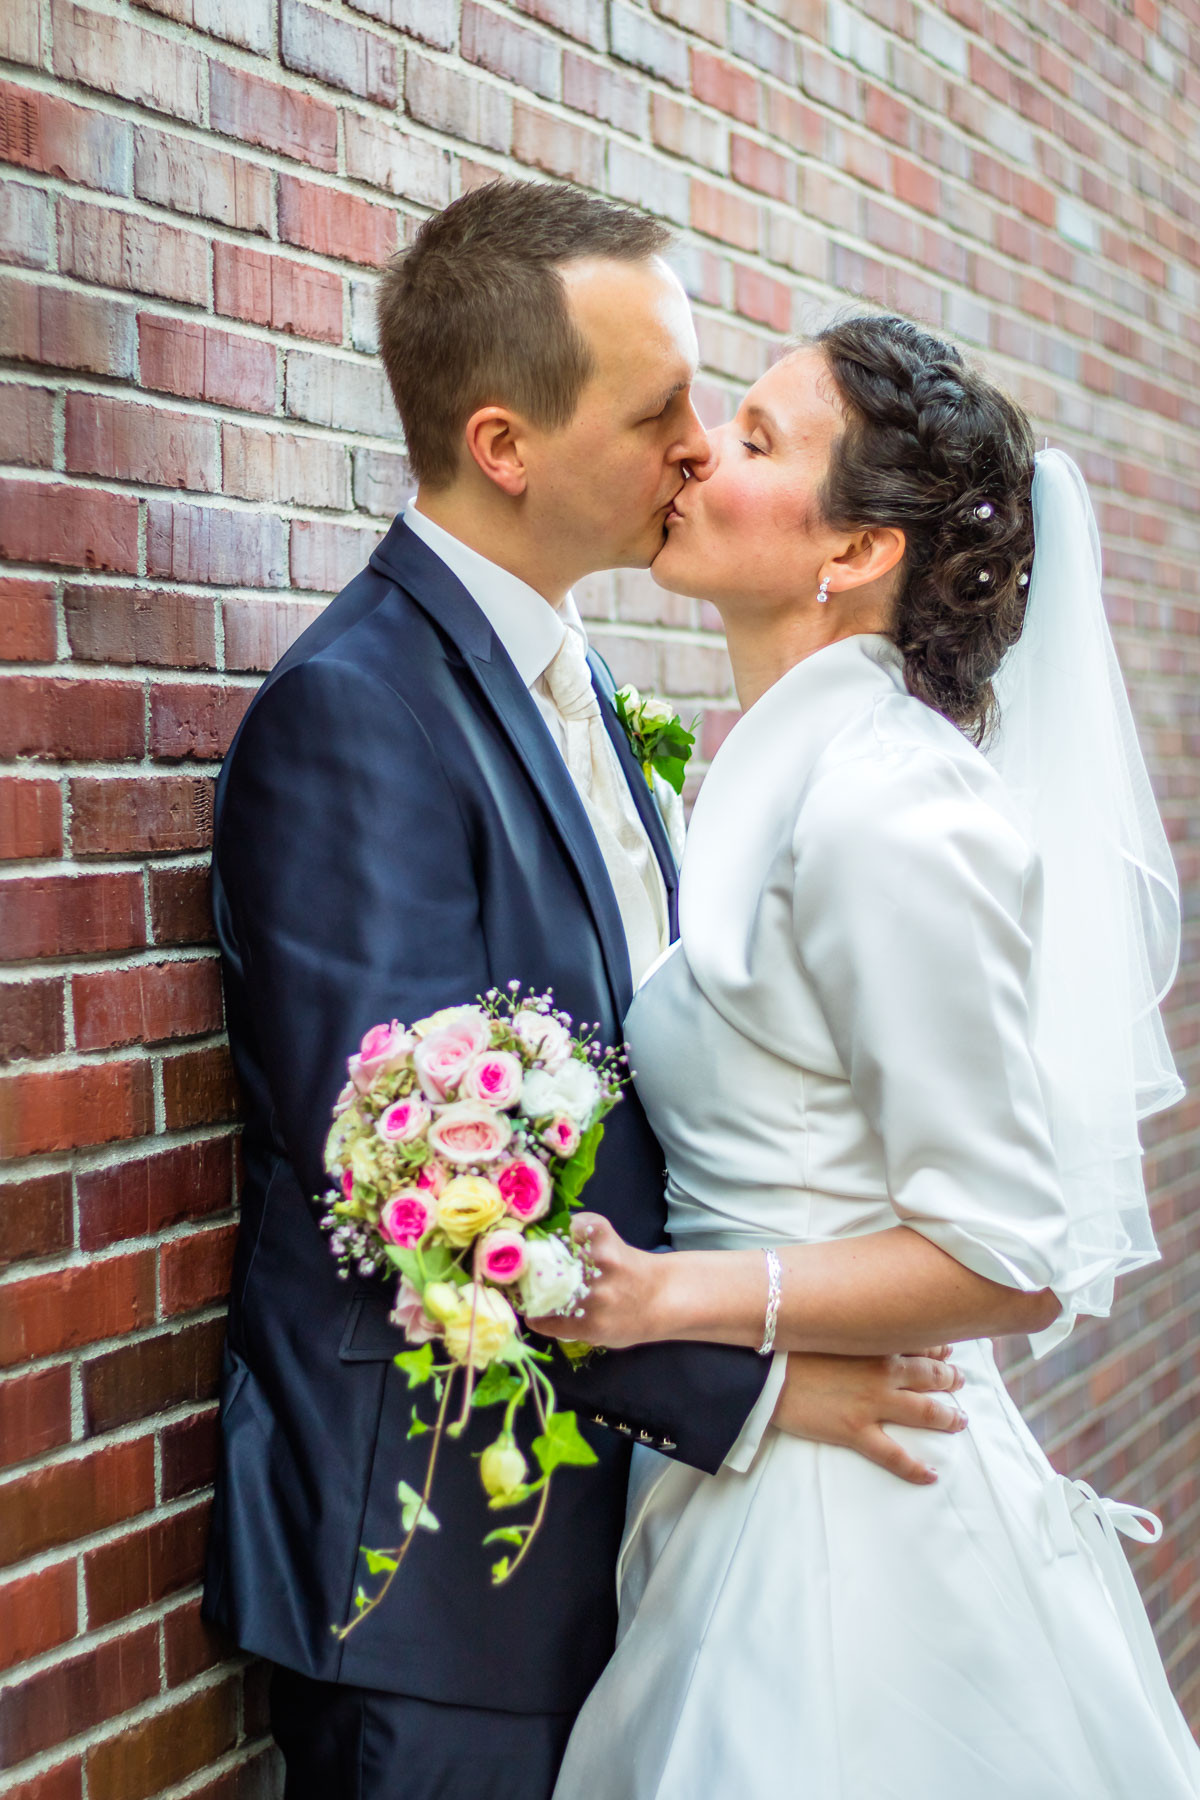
[695, 452]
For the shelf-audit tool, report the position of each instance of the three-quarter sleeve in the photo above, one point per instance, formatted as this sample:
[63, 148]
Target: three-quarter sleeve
[909, 900]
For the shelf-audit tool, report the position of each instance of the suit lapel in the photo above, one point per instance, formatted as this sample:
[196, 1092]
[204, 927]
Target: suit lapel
[643, 797]
[405, 559]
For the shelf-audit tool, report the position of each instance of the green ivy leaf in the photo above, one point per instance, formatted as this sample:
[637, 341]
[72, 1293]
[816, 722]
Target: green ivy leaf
[562, 1443]
[673, 769]
[378, 1563]
[413, 1509]
[418, 1428]
[505, 1534]
[500, 1571]
[496, 1386]
[416, 1364]
[578, 1170]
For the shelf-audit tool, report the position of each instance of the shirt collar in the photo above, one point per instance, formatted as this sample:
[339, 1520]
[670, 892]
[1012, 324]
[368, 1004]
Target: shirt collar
[530, 629]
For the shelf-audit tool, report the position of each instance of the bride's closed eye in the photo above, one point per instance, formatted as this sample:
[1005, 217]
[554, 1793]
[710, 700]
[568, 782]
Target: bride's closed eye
[756, 449]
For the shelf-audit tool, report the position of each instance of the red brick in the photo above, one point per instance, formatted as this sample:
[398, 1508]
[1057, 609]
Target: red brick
[342, 55]
[275, 291]
[65, 1109]
[764, 170]
[31, 1019]
[382, 482]
[724, 215]
[150, 1004]
[522, 57]
[334, 223]
[731, 90]
[65, 330]
[83, 528]
[257, 632]
[198, 1088]
[181, 356]
[63, 1782]
[35, 1416]
[38, 130]
[235, 21]
[190, 1645]
[70, 915]
[79, 1305]
[63, 720]
[326, 556]
[122, 249]
[391, 158]
[73, 1696]
[190, 719]
[578, 19]
[802, 127]
[191, 177]
[636, 39]
[213, 544]
[543, 141]
[254, 111]
[603, 93]
[35, 1217]
[71, 1500]
[189, 1456]
[108, 53]
[180, 906]
[30, 820]
[123, 1576]
[135, 1199]
[135, 815]
[282, 465]
[150, 444]
[152, 1375]
[195, 1271]
[161, 1750]
[37, 1613]
[27, 631]
[25, 225]
[27, 426]
[457, 103]
[158, 626]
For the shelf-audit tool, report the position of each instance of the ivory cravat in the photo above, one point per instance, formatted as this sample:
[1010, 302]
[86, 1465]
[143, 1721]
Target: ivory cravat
[592, 762]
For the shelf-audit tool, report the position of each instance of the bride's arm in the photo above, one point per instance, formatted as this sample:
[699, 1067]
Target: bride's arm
[862, 1296]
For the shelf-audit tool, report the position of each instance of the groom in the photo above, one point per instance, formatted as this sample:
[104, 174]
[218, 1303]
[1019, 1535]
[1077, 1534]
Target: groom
[430, 796]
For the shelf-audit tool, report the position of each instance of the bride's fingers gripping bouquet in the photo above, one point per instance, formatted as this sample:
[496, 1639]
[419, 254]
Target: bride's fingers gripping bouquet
[620, 1305]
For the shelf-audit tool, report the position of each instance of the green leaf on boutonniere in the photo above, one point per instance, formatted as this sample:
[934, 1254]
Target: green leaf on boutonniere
[657, 736]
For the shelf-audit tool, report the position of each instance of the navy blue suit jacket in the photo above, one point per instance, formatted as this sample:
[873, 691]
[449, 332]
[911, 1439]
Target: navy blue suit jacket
[396, 831]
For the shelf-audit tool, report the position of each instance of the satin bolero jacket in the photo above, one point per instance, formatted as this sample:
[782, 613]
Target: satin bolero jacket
[858, 902]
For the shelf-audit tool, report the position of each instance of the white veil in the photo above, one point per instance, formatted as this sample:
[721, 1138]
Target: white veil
[1067, 748]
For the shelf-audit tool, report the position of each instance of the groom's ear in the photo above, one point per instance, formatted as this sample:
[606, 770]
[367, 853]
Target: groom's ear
[494, 438]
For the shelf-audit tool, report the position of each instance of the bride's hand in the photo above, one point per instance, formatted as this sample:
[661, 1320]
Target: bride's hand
[619, 1307]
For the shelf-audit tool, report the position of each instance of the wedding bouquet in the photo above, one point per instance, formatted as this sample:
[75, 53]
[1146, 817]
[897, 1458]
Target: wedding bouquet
[459, 1148]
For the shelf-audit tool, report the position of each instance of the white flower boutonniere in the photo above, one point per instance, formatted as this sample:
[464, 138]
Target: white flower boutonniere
[657, 736]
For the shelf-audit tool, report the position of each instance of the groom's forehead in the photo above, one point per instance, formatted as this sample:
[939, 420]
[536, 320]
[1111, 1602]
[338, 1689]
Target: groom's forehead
[635, 317]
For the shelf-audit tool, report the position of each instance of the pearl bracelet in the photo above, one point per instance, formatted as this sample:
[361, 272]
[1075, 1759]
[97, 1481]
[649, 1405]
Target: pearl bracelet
[774, 1295]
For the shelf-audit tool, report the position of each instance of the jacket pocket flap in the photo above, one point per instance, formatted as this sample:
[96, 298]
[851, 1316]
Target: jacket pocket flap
[369, 1335]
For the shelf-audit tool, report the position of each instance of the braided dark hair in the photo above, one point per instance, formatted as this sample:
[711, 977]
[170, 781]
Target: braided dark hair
[933, 448]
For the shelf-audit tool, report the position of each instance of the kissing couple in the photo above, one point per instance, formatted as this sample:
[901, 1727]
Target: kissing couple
[893, 1024]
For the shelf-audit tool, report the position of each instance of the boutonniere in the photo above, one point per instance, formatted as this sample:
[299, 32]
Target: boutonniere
[657, 736]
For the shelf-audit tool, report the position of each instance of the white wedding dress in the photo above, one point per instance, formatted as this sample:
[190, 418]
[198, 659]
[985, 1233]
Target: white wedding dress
[840, 1041]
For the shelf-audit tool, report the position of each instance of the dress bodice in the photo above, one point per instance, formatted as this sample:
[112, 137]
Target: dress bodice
[841, 1038]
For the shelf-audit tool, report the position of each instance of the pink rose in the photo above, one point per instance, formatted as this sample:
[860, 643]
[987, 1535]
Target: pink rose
[561, 1136]
[443, 1058]
[525, 1184]
[345, 1098]
[469, 1132]
[431, 1178]
[545, 1038]
[495, 1077]
[405, 1218]
[410, 1315]
[347, 1185]
[383, 1049]
[501, 1256]
[404, 1120]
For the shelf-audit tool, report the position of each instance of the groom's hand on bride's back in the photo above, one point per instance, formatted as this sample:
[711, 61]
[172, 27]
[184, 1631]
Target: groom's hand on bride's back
[850, 1400]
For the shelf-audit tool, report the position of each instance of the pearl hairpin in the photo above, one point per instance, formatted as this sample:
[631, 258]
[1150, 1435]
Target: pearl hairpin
[985, 510]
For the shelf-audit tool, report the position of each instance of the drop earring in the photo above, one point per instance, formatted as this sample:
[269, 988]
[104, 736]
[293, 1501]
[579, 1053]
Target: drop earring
[823, 591]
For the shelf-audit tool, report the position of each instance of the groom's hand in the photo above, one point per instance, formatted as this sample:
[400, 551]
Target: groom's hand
[849, 1400]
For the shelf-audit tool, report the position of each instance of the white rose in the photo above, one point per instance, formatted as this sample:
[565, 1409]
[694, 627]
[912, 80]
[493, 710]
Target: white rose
[553, 1280]
[543, 1036]
[573, 1089]
[655, 712]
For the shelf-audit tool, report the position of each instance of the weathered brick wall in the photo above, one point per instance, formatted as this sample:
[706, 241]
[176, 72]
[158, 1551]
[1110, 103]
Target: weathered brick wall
[198, 450]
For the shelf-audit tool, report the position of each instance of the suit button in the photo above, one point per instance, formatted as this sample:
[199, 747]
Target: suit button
[668, 1444]
[599, 1419]
[627, 1429]
[644, 1437]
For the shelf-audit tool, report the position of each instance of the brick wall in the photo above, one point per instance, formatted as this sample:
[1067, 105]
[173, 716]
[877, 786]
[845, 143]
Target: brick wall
[198, 450]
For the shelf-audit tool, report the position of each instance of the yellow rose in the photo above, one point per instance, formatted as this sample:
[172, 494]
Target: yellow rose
[467, 1206]
[495, 1323]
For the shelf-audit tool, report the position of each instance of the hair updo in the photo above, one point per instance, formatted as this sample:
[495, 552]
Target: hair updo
[934, 449]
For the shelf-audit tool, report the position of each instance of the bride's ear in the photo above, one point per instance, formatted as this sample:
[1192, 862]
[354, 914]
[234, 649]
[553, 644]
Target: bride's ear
[869, 556]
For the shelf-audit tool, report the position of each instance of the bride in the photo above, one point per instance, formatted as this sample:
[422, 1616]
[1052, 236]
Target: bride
[896, 1062]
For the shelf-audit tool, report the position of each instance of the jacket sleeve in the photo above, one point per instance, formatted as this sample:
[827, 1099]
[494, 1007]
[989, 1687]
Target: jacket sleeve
[352, 899]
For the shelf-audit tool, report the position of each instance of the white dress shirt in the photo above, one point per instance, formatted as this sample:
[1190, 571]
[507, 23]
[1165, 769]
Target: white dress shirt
[532, 632]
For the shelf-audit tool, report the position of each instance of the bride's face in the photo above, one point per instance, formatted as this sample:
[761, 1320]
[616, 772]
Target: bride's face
[750, 532]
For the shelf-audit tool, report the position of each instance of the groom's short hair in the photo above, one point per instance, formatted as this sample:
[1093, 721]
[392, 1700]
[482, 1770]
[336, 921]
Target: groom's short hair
[474, 311]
